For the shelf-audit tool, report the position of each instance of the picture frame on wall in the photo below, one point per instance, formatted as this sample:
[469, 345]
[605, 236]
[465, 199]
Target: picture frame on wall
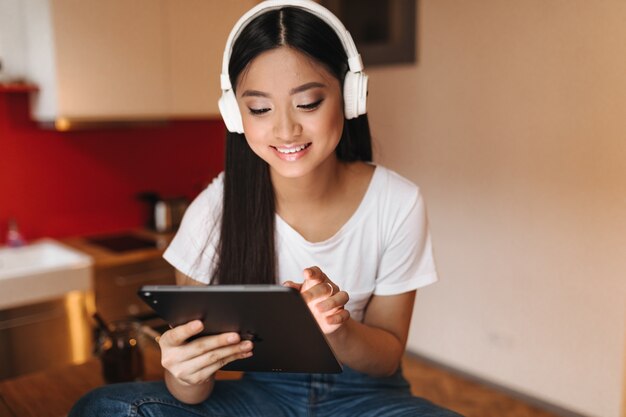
[384, 31]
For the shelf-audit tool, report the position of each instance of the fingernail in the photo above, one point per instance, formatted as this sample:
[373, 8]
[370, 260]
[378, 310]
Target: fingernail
[246, 345]
[196, 325]
[233, 338]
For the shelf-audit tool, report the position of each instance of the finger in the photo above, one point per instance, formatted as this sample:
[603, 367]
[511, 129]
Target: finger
[179, 334]
[341, 317]
[314, 273]
[206, 344]
[322, 289]
[204, 374]
[217, 356]
[312, 276]
[173, 356]
[200, 368]
[338, 300]
[331, 288]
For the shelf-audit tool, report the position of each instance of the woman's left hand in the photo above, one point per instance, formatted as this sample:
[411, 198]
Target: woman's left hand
[324, 298]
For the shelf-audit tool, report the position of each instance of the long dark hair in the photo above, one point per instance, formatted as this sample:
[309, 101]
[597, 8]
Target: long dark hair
[246, 251]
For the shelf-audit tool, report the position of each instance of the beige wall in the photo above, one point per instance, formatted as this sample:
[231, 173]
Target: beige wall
[624, 384]
[513, 122]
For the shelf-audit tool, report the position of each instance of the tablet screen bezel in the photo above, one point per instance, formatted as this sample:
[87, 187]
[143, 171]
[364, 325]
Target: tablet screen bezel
[285, 334]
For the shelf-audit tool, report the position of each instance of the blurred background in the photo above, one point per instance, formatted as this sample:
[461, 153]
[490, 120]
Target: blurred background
[510, 116]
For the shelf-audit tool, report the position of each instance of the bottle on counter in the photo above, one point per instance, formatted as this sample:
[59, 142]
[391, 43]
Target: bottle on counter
[14, 237]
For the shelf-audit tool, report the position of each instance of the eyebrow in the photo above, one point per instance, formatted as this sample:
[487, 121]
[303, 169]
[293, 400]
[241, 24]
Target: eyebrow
[295, 90]
[305, 87]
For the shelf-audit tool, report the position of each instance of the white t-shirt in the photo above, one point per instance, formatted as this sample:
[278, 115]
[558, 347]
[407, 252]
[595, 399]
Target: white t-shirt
[383, 249]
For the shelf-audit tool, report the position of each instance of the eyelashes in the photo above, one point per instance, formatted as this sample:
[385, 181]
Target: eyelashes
[258, 112]
[305, 107]
[311, 106]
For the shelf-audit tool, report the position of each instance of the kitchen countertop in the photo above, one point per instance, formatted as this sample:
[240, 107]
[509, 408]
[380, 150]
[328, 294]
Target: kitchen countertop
[103, 257]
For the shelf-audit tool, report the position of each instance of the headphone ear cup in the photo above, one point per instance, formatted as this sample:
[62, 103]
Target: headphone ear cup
[355, 94]
[230, 111]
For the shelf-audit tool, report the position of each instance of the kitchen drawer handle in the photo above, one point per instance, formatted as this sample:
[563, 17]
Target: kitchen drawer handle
[123, 280]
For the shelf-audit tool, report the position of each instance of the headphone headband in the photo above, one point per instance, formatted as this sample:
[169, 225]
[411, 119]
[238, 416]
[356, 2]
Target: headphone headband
[355, 81]
[354, 59]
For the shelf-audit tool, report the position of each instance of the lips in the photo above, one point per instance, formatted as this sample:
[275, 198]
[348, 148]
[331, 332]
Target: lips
[292, 149]
[291, 153]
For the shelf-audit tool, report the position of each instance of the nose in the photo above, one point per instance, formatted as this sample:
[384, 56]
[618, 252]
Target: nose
[286, 126]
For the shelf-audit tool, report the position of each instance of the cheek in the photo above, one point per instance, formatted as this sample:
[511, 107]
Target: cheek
[331, 125]
[255, 132]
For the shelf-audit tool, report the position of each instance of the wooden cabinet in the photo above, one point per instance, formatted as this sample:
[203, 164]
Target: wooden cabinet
[110, 58]
[197, 34]
[120, 60]
[97, 60]
[116, 287]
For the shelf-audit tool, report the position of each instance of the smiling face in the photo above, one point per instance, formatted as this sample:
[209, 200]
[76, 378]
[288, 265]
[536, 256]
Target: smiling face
[292, 112]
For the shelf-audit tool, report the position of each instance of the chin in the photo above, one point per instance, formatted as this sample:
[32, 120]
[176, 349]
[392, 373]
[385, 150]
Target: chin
[300, 168]
[293, 172]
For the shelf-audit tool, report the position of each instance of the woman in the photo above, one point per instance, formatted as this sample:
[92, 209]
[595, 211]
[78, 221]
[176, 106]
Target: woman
[298, 204]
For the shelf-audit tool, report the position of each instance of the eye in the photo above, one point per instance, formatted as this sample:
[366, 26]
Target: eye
[311, 106]
[257, 112]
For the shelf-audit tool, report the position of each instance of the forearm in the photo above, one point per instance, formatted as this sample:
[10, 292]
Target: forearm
[367, 349]
[186, 393]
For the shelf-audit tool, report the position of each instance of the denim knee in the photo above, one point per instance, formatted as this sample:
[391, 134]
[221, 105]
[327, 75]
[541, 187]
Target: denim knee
[100, 402]
[120, 400]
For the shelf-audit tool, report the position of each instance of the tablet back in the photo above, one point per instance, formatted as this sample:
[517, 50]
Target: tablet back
[285, 334]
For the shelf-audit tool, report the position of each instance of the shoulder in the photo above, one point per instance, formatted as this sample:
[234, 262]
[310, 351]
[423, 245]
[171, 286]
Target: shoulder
[206, 206]
[191, 250]
[215, 188]
[394, 187]
[212, 194]
[398, 204]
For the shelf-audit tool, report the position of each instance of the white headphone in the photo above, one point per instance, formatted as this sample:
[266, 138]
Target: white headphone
[355, 83]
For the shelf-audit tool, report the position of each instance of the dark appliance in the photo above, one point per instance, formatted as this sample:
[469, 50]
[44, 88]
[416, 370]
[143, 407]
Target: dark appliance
[123, 242]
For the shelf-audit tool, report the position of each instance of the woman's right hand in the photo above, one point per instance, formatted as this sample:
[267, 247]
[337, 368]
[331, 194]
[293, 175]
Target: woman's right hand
[195, 362]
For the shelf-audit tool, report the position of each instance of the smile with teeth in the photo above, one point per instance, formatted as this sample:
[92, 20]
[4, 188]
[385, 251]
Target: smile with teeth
[294, 149]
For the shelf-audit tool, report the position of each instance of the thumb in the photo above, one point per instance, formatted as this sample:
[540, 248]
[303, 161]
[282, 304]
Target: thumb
[179, 334]
[292, 284]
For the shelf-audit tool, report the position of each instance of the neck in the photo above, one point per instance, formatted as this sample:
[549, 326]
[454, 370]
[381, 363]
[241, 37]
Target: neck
[317, 187]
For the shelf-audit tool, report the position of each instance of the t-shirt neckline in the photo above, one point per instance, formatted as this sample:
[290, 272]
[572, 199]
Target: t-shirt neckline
[354, 218]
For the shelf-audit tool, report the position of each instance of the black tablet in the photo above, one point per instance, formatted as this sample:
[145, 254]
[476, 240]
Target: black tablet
[285, 334]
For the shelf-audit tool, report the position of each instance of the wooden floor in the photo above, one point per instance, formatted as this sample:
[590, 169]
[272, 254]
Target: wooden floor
[456, 393]
[51, 393]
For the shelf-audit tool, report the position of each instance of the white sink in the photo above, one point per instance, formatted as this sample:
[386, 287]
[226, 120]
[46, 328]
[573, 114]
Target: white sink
[41, 270]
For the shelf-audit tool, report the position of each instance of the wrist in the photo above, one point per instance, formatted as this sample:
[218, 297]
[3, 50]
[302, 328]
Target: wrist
[341, 334]
[188, 393]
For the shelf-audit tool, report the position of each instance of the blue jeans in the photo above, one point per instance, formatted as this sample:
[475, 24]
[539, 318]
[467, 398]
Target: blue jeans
[267, 394]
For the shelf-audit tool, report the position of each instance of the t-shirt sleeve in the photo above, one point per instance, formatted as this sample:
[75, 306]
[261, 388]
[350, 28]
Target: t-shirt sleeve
[192, 249]
[407, 262]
